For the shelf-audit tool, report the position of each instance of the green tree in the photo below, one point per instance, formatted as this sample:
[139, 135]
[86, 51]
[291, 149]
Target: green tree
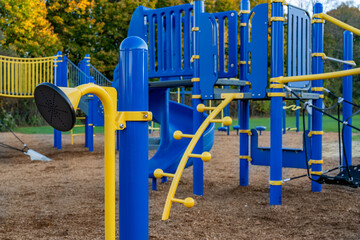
[96, 27]
[25, 28]
[333, 46]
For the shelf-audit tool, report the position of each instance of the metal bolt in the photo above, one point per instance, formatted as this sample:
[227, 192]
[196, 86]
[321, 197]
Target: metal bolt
[145, 116]
[232, 14]
[232, 65]
[121, 125]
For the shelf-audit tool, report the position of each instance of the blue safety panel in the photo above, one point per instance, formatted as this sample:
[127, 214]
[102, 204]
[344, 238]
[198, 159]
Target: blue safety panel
[228, 44]
[208, 54]
[292, 158]
[167, 32]
[299, 52]
[257, 51]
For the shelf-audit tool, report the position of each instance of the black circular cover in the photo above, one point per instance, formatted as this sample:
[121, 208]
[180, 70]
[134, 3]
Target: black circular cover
[55, 107]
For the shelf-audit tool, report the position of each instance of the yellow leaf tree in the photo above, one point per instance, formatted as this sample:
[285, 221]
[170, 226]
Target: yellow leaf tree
[26, 29]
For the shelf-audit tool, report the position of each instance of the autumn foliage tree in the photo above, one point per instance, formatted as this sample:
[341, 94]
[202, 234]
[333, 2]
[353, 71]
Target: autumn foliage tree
[25, 28]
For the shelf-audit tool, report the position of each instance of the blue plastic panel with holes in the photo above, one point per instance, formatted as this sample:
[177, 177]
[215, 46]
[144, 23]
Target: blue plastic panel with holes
[228, 53]
[257, 49]
[299, 52]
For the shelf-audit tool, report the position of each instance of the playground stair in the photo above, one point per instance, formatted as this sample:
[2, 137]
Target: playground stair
[205, 156]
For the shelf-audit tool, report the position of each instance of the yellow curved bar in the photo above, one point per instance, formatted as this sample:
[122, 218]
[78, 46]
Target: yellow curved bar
[313, 77]
[170, 198]
[107, 96]
[338, 23]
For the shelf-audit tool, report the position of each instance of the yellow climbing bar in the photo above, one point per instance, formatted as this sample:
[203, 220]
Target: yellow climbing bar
[188, 152]
[179, 135]
[312, 77]
[159, 173]
[20, 76]
[337, 22]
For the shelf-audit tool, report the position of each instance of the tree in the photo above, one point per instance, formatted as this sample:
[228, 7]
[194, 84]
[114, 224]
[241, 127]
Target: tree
[95, 27]
[334, 48]
[25, 28]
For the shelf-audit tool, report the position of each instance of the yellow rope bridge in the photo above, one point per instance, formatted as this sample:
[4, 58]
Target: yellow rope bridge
[20, 76]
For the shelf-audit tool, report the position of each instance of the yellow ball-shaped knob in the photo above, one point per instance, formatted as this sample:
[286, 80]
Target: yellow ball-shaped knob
[227, 121]
[206, 156]
[200, 108]
[189, 202]
[178, 135]
[158, 173]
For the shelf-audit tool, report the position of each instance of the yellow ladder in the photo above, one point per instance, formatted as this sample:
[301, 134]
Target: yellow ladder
[205, 156]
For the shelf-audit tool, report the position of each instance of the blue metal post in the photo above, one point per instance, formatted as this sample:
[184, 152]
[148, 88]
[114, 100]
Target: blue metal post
[347, 95]
[277, 69]
[243, 113]
[84, 66]
[89, 121]
[61, 81]
[227, 113]
[284, 118]
[183, 95]
[154, 184]
[133, 95]
[317, 67]
[198, 165]
[298, 116]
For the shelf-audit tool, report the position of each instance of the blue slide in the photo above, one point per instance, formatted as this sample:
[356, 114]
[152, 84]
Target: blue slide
[173, 116]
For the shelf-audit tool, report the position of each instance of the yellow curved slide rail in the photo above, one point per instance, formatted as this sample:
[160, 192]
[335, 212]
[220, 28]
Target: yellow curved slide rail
[189, 202]
[20, 76]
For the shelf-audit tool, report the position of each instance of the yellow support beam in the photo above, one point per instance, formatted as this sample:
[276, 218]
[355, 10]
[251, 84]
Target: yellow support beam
[337, 22]
[312, 77]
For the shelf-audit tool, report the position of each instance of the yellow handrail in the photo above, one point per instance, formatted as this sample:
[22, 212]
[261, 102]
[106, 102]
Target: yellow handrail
[20, 76]
[337, 22]
[312, 77]
[188, 152]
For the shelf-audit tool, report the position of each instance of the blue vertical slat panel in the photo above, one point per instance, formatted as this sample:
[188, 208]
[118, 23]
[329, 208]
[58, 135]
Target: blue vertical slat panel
[176, 23]
[160, 54]
[258, 48]
[151, 37]
[187, 37]
[221, 38]
[232, 48]
[168, 32]
[298, 46]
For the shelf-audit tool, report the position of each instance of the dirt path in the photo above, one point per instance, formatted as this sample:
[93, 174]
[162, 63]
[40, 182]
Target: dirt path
[63, 199]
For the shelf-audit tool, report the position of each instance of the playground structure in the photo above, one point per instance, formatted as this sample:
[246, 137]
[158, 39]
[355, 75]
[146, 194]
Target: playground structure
[187, 48]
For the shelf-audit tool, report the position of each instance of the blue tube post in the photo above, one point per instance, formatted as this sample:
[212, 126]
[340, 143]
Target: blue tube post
[317, 67]
[133, 95]
[198, 165]
[277, 70]
[154, 184]
[243, 113]
[298, 116]
[183, 95]
[61, 81]
[84, 66]
[284, 118]
[89, 121]
[347, 95]
[227, 113]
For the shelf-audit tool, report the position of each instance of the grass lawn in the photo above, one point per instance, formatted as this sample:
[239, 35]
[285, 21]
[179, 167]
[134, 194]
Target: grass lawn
[329, 125]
